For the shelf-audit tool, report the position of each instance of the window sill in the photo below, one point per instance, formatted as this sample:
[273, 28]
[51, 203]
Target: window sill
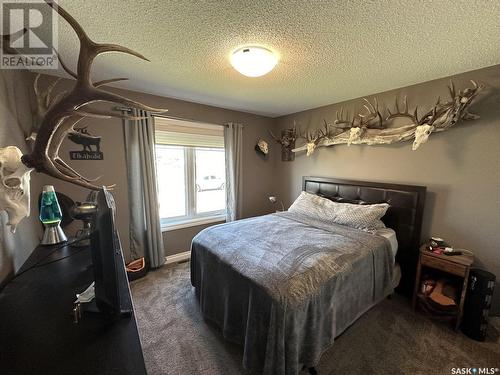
[193, 223]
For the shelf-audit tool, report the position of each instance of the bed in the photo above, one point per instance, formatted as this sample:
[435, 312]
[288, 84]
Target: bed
[285, 285]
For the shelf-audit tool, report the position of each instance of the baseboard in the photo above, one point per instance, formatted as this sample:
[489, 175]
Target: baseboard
[175, 258]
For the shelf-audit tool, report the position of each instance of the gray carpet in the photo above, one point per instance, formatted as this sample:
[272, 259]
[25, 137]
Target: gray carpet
[388, 339]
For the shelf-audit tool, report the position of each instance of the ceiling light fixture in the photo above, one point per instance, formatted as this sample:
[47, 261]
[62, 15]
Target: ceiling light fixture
[253, 61]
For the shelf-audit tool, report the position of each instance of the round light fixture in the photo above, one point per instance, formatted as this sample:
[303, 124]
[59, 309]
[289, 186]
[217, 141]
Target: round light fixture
[253, 61]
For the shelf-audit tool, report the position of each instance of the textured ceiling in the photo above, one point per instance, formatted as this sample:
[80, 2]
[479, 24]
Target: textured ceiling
[330, 51]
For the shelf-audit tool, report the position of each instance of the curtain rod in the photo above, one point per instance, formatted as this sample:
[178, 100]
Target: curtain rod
[160, 114]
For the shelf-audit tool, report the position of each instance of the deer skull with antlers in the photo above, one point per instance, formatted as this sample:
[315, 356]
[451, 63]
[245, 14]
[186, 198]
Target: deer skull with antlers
[314, 138]
[442, 116]
[422, 130]
[359, 123]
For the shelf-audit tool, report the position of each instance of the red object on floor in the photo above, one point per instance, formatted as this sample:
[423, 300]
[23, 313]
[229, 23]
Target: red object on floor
[136, 269]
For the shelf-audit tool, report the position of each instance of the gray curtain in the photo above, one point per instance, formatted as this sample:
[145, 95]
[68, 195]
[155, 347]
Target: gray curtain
[233, 145]
[145, 230]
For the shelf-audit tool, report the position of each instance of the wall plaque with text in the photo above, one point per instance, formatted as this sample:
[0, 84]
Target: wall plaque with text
[86, 155]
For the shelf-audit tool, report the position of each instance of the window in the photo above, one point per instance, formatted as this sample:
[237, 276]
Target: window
[190, 165]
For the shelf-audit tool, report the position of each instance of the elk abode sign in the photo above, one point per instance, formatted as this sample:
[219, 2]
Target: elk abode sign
[91, 145]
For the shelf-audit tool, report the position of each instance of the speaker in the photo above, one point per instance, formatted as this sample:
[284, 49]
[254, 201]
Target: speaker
[477, 303]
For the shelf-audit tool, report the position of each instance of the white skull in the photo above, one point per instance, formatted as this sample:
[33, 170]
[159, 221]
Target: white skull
[422, 134]
[354, 135]
[15, 186]
[263, 146]
[311, 146]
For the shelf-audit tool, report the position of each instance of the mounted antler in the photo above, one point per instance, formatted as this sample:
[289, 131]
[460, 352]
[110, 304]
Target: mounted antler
[278, 140]
[366, 121]
[314, 138]
[287, 142]
[287, 138]
[356, 129]
[64, 114]
[405, 114]
[371, 128]
[44, 100]
[343, 121]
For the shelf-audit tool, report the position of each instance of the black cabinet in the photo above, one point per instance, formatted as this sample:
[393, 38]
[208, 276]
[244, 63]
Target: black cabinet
[37, 332]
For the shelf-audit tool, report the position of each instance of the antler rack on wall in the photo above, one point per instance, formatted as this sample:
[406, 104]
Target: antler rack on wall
[373, 128]
[59, 114]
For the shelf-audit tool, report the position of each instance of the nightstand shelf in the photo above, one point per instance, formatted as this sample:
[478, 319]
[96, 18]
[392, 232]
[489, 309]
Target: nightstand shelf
[458, 265]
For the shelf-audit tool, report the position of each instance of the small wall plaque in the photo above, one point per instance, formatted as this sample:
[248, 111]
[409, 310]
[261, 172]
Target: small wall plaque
[91, 145]
[86, 155]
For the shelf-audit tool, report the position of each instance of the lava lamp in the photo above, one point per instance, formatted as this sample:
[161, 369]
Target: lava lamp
[51, 216]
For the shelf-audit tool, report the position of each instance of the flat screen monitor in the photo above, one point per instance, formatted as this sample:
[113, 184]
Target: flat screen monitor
[111, 287]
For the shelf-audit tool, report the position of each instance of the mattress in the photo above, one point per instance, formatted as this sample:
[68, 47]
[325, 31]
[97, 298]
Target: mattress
[390, 235]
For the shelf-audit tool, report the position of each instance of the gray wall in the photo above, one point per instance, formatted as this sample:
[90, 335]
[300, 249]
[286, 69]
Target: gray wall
[257, 173]
[459, 166]
[15, 122]
[179, 241]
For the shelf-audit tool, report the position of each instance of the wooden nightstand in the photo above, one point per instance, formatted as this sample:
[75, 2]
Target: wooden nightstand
[458, 265]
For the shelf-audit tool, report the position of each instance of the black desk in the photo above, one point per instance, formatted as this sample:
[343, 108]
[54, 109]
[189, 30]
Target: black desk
[37, 333]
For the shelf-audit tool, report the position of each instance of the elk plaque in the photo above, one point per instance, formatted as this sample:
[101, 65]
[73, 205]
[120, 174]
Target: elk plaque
[91, 145]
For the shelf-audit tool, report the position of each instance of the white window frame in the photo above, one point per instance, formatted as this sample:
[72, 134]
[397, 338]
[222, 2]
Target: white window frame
[191, 218]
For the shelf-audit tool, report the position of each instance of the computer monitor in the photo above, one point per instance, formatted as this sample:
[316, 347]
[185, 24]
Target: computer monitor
[112, 294]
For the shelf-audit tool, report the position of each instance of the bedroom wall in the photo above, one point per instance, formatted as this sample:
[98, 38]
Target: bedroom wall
[459, 166]
[257, 173]
[15, 122]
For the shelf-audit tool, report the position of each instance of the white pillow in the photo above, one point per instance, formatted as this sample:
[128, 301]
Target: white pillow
[366, 217]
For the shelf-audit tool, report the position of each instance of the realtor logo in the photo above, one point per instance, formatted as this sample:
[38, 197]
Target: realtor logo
[30, 35]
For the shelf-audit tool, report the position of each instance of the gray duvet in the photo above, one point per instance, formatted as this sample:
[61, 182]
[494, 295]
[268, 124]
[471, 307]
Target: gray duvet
[284, 286]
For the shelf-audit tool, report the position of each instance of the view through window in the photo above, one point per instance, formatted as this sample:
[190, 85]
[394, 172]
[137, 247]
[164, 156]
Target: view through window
[190, 164]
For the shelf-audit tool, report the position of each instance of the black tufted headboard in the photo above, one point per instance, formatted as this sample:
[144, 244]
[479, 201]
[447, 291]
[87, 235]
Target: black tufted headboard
[404, 214]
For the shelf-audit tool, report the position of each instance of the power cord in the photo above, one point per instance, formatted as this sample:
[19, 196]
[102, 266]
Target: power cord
[58, 259]
[464, 251]
[65, 244]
